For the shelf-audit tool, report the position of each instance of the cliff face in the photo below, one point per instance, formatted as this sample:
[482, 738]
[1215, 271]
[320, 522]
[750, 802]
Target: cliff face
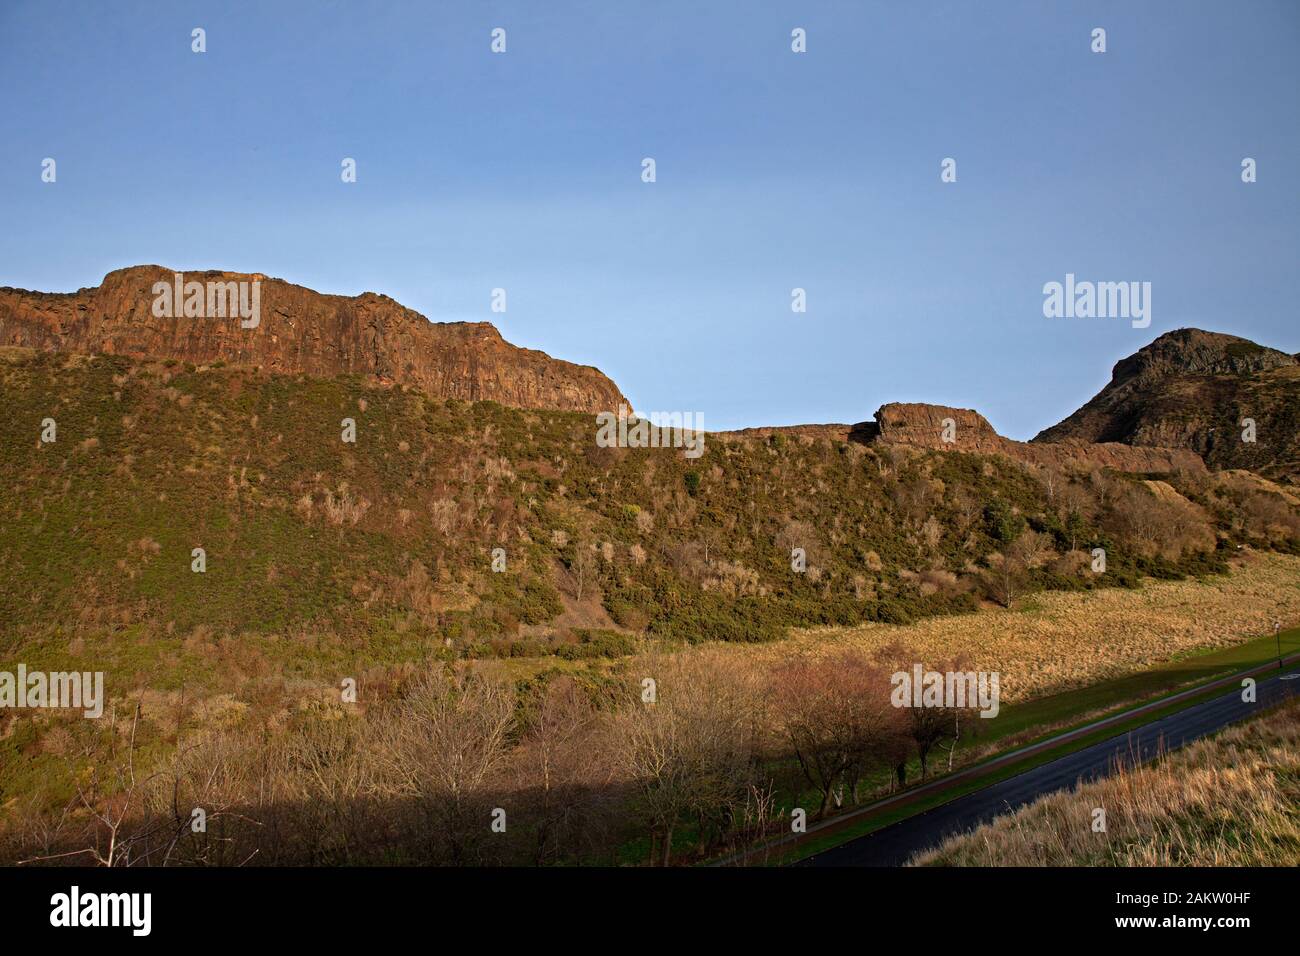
[1192, 389]
[299, 330]
[923, 426]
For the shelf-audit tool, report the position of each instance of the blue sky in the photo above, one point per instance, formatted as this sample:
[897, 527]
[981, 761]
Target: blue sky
[775, 170]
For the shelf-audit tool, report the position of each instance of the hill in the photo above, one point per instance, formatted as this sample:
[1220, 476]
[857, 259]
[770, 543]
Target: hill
[383, 549]
[1193, 389]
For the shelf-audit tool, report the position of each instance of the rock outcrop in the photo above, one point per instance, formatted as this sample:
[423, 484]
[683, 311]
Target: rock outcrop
[919, 425]
[1195, 390]
[303, 331]
[927, 426]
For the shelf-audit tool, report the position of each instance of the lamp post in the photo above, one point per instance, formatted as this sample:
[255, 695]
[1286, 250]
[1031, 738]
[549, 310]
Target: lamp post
[1277, 635]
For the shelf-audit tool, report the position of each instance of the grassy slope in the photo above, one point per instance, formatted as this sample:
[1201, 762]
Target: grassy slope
[378, 552]
[1052, 642]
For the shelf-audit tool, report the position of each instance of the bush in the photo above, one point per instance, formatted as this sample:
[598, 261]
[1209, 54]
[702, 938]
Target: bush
[1003, 524]
[598, 642]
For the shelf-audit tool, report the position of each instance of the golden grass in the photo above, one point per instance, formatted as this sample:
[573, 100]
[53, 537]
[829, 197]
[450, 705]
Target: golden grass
[1057, 640]
[1232, 800]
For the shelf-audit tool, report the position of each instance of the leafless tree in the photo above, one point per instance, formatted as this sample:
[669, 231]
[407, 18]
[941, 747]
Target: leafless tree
[562, 765]
[123, 828]
[836, 718]
[1008, 572]
[692, 750]
[448, 736]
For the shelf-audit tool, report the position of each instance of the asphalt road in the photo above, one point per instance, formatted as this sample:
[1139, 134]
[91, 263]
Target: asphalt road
[894, 844]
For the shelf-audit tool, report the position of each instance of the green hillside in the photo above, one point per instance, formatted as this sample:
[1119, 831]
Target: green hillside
[380, 551]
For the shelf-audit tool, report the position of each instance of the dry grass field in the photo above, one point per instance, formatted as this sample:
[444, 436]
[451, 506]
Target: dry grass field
[1053, 641]
[1232, 800]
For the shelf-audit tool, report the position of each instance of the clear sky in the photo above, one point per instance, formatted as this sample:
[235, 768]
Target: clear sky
[775, 170]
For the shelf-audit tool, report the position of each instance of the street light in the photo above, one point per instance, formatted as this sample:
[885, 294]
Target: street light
[1277, 634]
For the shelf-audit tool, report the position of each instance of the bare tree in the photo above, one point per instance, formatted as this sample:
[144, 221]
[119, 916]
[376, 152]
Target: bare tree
[836, 718]
[564, 768]
[1074, 509]
[583, 567]
[448, 736]
[692, 749]
[1008, 573]
[123, 828]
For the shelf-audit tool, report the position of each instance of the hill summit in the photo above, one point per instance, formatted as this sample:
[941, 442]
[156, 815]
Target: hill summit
[1204, 391]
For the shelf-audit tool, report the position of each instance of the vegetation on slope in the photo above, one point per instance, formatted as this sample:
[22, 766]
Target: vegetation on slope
[382, 550]
[372, 560]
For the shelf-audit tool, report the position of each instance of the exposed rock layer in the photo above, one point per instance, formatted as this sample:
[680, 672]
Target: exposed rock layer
[305, 331]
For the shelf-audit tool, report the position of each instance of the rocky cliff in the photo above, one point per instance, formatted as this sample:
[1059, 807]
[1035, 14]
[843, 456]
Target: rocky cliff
[1194, 389]
[299, 330]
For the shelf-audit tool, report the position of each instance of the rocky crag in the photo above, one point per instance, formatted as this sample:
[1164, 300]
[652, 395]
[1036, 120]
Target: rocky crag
[299, 330]
[929, 426]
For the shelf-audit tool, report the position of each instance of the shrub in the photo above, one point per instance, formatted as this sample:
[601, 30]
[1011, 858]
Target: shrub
[598, 642]
[1003, 524]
